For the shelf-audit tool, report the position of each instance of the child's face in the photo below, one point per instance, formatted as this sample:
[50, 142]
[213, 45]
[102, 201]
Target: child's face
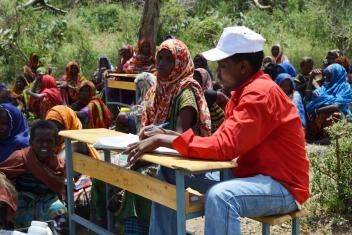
[286, 86]
[306, 68]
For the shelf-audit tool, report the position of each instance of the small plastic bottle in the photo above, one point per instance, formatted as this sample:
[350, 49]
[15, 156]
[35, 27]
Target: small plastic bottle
[39, 228]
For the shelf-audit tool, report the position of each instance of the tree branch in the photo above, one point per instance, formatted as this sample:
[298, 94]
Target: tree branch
[260, 6]
[41, 4]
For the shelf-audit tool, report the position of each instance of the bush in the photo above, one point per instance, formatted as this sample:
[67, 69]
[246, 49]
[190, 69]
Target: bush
[332, 173]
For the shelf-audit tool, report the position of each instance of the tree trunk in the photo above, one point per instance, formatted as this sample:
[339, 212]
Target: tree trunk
[150, 22]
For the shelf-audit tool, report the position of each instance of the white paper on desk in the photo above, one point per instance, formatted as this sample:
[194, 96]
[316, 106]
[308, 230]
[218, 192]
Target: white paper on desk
[122, 142]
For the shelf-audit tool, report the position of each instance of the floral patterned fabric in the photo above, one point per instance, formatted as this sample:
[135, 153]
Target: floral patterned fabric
[161, 98]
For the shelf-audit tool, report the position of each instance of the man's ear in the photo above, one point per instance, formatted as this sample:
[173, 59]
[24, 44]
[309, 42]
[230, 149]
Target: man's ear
[244, 66]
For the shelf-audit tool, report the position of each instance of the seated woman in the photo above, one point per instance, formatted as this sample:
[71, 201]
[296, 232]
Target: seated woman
[130, 122]
[124, 55]
[29, 70]
[327, 103]
[143, 61]
[284, 68]
[286, 82]
[200, 62]
[331, 57]
[277, 54]
[48, 94]
[66, 119]
[14, 130]
[90, 109]
[18, 92]
[32, 180]
[176, 99]
[98, 76]
[70, 82]
[203, 77]
[216, 112]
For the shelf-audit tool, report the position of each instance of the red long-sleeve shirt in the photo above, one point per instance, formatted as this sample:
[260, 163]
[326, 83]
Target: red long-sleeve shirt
[262, 128]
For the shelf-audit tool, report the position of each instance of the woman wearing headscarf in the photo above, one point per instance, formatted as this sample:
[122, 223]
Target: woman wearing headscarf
[176, 99]
[90, 108]
[284, 68]
[277, 54]
[70, 82]
[211, 96]
[176, 89]
[286, 83]
[48, 96]
[130, 122]
[66, 119]
[327, 103]
[143, 61]
[125, 53]
[19, 92]
[14, 130]
[29, 70]
[200, 62]
[203, 77]
[98, 76]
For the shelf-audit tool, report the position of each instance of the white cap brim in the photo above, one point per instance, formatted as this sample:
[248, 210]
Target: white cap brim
[215, 54]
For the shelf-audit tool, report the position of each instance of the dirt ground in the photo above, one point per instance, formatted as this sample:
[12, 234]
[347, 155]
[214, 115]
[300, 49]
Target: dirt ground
[309, 226]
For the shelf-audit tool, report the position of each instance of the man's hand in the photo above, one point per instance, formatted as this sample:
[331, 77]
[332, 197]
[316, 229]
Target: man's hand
[136, 150]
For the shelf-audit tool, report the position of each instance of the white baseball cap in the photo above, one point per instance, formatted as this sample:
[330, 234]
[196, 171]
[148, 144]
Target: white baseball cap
[237, 39]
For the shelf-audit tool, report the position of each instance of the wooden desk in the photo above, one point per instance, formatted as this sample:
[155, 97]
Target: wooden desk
[125, 82]
[174, 197]
[126, 75]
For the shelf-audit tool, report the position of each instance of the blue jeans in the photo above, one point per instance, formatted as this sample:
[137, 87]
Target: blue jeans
[225, 202]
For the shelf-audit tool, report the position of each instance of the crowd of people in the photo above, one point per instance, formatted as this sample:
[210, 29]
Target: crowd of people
[258, 111]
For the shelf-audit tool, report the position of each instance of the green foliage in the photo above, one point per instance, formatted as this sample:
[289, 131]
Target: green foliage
[332, 173]
[91, 28]
[83, 34]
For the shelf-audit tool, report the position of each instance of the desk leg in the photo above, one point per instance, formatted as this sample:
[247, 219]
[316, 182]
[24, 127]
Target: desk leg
[110, 220]
[70, 200]
[180, 197]
[225, 174]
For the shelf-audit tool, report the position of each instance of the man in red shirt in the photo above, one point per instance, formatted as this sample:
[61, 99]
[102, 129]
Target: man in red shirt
[262, 132]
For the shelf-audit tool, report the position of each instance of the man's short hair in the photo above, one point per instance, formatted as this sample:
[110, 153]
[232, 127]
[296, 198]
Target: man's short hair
[255, 59]
[43, 125]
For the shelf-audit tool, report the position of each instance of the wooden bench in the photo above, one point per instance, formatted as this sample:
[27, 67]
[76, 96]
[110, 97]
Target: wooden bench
[280, 219]
[195, 203]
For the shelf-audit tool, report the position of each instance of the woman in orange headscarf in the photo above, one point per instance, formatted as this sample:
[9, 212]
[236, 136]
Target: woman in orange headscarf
[66, 119]
[91, 108]
[144, 60]
[70, 82]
